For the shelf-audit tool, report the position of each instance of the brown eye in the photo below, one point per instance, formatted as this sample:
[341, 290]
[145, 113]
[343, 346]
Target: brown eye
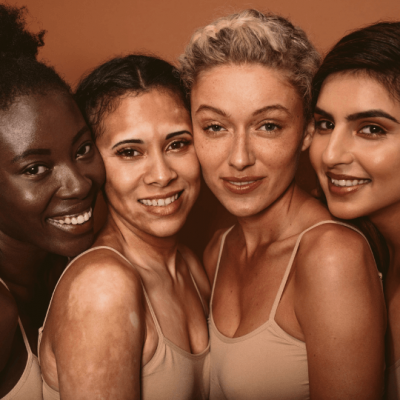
[128, 153]
[179, 144]
[372, 130]
[35, 170]
[83, 150]
[324, 125]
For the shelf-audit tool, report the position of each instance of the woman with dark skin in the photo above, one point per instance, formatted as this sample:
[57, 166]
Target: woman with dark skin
[297, 308]
[50, 173]
[128, 317]
[356, 147]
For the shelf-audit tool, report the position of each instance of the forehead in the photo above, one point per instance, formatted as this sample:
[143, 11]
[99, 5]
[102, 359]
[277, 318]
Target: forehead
[244, 87]
[154, 111]
[40, 121]
[351, 92]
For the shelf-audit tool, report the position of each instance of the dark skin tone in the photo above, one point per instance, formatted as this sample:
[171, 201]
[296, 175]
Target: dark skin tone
[50, 173]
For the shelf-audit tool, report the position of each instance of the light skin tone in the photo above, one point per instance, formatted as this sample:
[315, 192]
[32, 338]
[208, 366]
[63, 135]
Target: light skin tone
[359, 137]
[248, 129]
[147, 147]
[49, 170]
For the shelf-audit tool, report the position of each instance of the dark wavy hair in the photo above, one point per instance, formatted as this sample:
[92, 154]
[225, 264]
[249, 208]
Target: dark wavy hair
[20, 72]
[374, 50]
[99, 92]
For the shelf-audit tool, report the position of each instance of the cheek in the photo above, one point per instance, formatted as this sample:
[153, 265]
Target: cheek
[316, 149]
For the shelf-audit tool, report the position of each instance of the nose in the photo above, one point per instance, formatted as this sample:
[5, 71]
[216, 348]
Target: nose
[159, 172]
[241, 155]
[339, 148]
[73, 184]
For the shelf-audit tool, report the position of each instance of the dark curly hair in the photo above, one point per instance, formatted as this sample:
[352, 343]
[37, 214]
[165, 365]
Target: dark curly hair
[20, 72]
[374, 50]
[99, 91]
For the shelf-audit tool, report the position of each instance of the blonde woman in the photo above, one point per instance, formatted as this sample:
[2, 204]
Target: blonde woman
[297, 309]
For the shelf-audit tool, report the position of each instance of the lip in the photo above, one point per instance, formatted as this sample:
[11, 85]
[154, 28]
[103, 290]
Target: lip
[166, 210]
[244, 185]
[345, 190]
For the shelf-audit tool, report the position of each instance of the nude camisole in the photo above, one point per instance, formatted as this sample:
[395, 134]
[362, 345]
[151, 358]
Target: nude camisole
[29, 386]
[266, 363]
[172, 373]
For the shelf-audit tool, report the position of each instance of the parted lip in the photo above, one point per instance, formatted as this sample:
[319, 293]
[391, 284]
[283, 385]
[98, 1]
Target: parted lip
[74, 211]
[242, 179]
[345, 177]
[162, 196]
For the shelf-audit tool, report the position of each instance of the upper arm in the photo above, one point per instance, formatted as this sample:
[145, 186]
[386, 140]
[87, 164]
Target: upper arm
[210, 255]
[8, 324]
[340, 307]
[99, 328]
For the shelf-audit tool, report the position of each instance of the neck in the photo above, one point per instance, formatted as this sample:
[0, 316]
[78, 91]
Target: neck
[141, 248]
[275, 222]
[21, 263]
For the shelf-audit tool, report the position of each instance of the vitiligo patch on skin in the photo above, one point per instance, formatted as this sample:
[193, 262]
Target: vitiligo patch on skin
[134, 319]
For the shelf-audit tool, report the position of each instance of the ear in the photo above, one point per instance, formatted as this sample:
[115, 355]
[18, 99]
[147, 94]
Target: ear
[308, 135]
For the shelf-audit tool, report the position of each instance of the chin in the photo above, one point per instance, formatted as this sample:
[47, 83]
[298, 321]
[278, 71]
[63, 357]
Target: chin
[344, 211]
[71, 248]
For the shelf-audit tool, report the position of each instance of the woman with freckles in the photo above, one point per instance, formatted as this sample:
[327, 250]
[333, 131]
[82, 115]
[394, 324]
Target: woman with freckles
[355, 150]
[128, 317]
[50, 173]
[297, 308]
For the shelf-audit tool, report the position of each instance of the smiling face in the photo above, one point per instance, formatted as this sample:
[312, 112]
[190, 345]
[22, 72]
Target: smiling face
[356, 146]
[153, 175]
[50, 173]
[248, 131]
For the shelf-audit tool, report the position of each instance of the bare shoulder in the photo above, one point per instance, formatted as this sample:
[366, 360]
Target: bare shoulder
[211, 253]
[8, 324]
[99, 282]
[339, 249]
[197, 270]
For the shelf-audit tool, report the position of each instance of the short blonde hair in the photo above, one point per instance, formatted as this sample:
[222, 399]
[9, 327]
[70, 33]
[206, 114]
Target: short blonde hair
[253, 37]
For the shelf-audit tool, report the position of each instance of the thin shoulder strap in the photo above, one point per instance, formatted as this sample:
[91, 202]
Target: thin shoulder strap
[221, 247]
[198, 292]
[292, 257]
[27, 345]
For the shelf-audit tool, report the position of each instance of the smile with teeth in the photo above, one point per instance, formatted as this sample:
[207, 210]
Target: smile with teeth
[77, 219]
[241, 183]
[160, 202]
[348, 182]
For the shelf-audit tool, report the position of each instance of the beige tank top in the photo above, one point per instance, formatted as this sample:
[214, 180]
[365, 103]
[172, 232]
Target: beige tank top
[172, 373]
[29, 386]
[266, 363]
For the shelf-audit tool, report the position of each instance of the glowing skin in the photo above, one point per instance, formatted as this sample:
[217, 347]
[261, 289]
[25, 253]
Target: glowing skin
[50, 170]
[152, 169]
[357, 140]
[247, 123]
[153, 179]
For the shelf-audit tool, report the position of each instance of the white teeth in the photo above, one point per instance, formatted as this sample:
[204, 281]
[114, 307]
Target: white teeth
[76, 220]
[343, 182]
[241, 183]
[159, 202]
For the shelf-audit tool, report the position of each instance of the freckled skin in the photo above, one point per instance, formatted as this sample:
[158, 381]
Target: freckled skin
[99, 319]
[248, 124]
[367, 147]
[63, 178]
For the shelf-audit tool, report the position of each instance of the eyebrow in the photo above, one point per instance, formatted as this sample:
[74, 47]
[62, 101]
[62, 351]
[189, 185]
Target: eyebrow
[210, 108]
[80, 133]
[325, 114]
[274, 107]
[371, 114]
[31, 152]
[360, 115]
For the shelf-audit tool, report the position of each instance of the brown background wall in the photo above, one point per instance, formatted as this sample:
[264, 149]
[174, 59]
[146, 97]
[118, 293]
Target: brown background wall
[83, 33]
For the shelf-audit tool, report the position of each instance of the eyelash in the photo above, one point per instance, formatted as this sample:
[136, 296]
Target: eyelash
[381, 132]
[87, 144]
